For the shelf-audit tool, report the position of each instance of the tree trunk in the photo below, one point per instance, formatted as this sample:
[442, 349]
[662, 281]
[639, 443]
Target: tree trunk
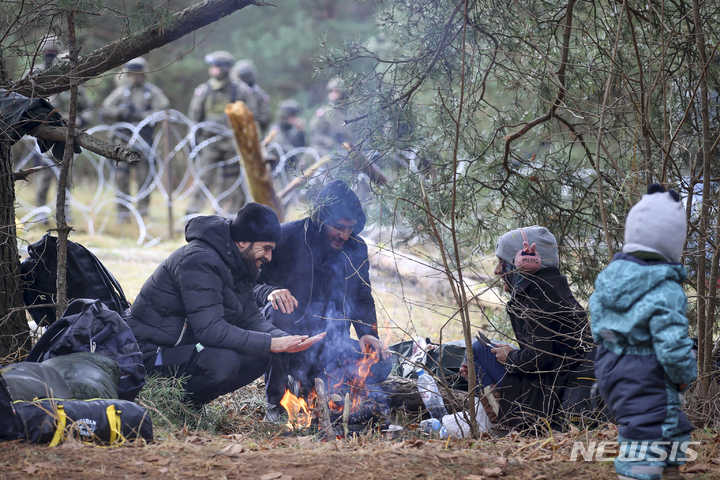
[14, 331]
[247, 142]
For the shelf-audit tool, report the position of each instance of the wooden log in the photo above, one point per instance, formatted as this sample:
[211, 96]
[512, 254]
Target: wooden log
[322, 401]
[297, 181]
[247, 143]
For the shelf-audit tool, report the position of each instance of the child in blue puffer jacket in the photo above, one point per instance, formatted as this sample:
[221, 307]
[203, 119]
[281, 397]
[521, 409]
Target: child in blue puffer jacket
[644, 360]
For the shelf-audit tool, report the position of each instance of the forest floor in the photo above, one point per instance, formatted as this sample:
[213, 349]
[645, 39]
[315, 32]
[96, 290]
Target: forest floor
[248, 448]
[186, 454]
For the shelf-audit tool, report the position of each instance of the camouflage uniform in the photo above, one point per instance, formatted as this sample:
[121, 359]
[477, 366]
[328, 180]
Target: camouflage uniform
[258, 101]
[208, 104]
[328, 126]
[132, 103]
[289, 129]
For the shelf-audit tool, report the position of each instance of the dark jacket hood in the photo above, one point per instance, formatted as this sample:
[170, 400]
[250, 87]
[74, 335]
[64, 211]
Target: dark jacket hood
[336, 200]
[215, 231]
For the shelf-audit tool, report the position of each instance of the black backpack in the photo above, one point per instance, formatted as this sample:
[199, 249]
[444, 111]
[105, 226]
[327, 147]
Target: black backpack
[87, 277]
[89, 326]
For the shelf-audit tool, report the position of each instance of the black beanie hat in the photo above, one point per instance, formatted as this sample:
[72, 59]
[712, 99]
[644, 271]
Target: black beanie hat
[255, 223]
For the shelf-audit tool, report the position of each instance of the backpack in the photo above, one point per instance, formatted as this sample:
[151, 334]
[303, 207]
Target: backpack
[87, 277]
[443, 361]
[89, 326]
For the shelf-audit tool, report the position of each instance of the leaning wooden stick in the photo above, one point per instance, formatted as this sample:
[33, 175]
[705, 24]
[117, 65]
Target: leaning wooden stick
[247, 143]
[297, 181]
[269, 137]
[346, 414]
[324, 410]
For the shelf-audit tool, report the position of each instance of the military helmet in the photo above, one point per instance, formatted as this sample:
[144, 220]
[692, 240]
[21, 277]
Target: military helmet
[288, 109]
[221, 59]
[138, 65]
[244, 70]
[51, 44]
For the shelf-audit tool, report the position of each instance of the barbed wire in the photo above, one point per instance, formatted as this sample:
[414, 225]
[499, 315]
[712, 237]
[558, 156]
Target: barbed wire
[175, 172]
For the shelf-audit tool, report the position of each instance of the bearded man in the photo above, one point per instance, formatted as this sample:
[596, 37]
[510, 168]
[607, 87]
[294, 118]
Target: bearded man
[197, 315]
[324, 263]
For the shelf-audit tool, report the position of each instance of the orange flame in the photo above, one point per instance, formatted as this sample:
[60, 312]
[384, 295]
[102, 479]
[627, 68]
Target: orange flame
[298, 411]
[357, 383]
[334, 406]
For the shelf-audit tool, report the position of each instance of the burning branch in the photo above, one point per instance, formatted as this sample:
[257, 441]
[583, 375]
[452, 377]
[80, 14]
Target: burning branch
[322, 400]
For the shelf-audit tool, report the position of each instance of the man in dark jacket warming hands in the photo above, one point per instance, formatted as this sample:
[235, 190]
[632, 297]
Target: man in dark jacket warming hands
[197, 316]
[323, 263]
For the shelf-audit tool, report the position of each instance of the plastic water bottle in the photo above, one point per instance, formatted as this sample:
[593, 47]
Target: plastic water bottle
[430, 394]
[433, 425]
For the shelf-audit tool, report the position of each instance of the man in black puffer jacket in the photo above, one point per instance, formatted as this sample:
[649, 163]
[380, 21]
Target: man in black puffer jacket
[196, 315]
[323, 262]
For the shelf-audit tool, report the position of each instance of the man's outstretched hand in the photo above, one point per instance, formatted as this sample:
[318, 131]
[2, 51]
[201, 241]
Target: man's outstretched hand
[375, 344]
[294, 343]
[309, 342]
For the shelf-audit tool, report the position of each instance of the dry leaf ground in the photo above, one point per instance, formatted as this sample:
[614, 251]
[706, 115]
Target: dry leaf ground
[301, 458]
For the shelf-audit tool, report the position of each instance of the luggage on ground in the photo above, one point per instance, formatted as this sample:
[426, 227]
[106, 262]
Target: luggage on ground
[89, 326]
[87, 277]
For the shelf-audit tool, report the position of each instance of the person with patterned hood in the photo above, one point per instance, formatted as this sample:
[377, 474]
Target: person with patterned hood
[319, 281]
[644, 361]
[550, 329]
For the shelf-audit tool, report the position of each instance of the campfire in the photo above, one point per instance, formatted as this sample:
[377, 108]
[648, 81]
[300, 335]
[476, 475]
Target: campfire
[297, 409]
[349, 407]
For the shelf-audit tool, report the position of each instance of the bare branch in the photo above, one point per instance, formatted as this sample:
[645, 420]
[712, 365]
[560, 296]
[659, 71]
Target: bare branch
[117, 53]
[95, 145]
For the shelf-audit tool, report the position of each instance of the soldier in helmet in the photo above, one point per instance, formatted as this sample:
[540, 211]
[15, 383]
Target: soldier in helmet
[258, 101]
[290, 129]
[132, 102]
[328, 126]
[208, 104]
